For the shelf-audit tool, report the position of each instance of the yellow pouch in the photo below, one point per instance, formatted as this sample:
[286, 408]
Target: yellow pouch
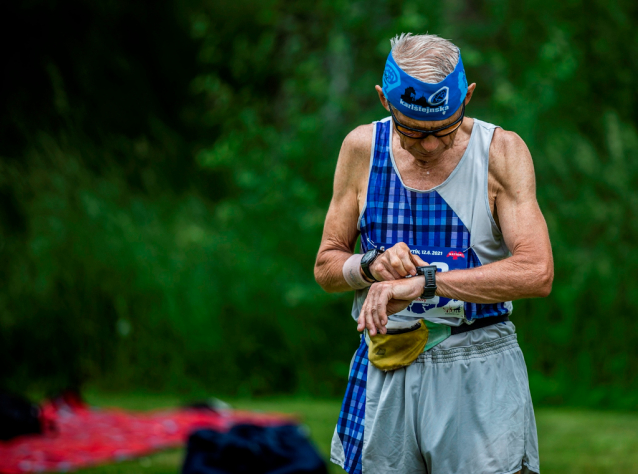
[398, 347]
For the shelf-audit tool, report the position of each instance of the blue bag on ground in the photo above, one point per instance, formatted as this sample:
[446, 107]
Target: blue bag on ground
[249, 449]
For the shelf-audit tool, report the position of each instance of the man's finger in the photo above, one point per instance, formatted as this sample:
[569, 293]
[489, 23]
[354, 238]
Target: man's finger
[385, 273]
[397, 264]
[408, 264]
[419, 261]
[374, 300]
[379, 318]
[387, 297]
[380, 313]
[377, 306]
[374, 317]
[363, 316]
[361, 322]
[372, 329]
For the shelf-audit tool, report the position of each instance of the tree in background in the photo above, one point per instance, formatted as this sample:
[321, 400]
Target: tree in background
[166, 169]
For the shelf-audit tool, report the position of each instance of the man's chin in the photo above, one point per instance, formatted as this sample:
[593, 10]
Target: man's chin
[424, 155]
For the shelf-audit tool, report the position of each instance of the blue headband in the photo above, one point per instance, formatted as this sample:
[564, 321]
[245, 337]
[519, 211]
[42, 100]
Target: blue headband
[422, 100]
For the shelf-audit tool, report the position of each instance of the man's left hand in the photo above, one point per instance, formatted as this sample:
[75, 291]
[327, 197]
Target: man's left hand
[386, 298]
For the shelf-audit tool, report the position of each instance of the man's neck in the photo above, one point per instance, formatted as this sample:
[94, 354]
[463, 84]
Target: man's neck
[421, 171]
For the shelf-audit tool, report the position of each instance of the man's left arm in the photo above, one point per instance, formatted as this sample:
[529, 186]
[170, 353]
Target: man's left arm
[527, 273]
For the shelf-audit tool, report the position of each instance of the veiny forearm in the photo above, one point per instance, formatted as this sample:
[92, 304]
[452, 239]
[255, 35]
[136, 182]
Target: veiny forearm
[329, 270]
[513, 278]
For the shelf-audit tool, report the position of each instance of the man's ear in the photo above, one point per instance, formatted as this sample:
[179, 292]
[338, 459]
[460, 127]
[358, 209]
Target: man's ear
[470, 91]
[382, 98]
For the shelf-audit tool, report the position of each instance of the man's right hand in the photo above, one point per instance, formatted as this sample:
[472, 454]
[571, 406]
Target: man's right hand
[395, 263]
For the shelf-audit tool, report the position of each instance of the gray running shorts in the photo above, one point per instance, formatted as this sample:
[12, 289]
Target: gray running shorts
[463, 407]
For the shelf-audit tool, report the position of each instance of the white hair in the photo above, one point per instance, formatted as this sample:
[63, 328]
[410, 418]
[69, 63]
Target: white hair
[428, 58]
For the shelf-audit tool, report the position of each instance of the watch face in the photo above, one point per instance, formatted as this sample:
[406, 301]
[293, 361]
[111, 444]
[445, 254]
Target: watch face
[369, 257]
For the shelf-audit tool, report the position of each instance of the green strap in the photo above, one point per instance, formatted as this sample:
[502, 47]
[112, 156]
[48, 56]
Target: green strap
[437, 334]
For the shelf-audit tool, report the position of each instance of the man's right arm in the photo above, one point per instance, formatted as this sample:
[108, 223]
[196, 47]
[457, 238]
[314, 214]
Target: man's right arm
[340, 229]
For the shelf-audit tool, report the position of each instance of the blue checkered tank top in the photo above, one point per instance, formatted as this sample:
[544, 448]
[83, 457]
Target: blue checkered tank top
[451, 220]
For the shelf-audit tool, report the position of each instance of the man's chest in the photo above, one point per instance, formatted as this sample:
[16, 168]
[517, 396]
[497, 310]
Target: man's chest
[423, 179]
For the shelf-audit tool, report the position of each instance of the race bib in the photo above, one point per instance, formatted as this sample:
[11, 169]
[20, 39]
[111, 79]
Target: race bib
[445, 259]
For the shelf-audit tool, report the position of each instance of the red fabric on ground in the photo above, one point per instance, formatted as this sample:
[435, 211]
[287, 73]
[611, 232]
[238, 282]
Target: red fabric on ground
[86, 436]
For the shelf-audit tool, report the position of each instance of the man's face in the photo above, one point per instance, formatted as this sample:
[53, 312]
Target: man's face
[432, 146]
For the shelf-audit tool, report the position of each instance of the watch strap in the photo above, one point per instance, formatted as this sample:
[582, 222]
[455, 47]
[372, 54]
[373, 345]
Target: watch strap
[368, 273]
[365, 265]
[429, 287]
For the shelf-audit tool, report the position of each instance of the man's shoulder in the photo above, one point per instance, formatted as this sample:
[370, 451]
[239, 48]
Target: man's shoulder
[510, 158]
[356, 150]
[354, 158]
[359, 141]
[507, 145]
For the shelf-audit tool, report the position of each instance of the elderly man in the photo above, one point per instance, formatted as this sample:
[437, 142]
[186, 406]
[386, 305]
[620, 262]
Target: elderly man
[451, 233]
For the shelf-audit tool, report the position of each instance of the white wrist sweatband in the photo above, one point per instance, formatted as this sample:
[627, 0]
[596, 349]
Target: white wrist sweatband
[352, 273]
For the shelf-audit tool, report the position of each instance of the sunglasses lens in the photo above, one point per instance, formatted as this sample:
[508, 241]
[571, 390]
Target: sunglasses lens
[409, 133]
[447, 131]
[418, 135]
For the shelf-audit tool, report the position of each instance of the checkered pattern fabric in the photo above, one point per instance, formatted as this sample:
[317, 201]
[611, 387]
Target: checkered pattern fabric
[396, 214]
[352, 416]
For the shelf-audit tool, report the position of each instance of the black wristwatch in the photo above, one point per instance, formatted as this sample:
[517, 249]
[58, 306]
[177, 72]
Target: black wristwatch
[429, 288]
[367, 259]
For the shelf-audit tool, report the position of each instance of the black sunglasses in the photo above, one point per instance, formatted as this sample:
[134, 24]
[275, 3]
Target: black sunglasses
[417, 134]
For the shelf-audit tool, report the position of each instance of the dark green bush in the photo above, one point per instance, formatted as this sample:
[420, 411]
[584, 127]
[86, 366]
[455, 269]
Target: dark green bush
[166, 171]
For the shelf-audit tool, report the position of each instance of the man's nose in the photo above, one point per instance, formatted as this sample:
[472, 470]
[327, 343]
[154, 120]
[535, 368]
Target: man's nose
[430, 143]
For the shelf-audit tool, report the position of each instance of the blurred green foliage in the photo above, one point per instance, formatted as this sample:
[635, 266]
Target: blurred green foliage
[165, 168]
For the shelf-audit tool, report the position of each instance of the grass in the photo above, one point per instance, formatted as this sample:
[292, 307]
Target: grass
[592, 442]
[571, 441]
